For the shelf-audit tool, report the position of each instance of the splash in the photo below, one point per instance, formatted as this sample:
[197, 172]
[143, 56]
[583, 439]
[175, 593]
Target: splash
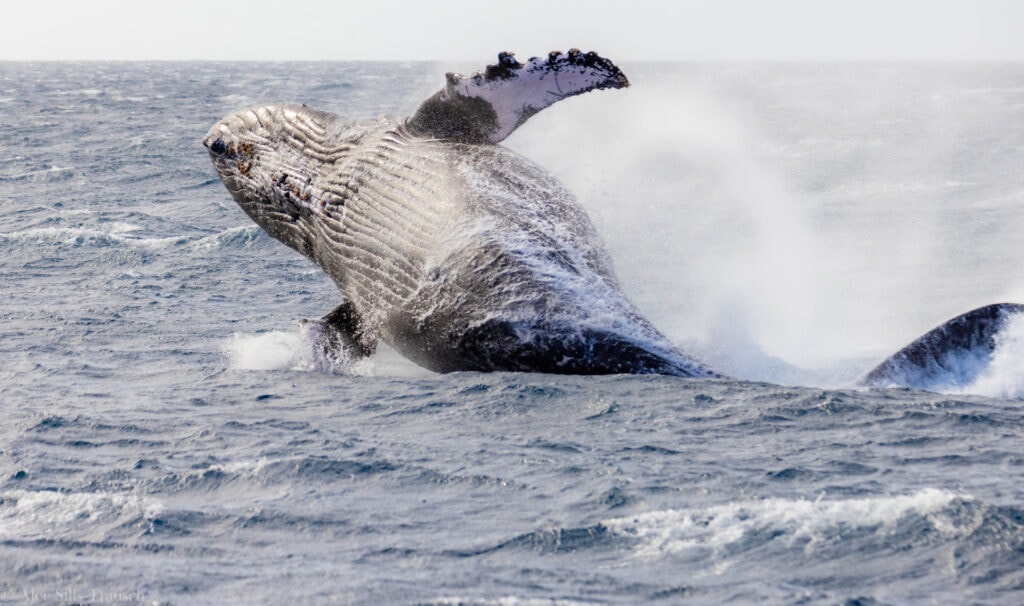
[275, 350]
[1004, 375]
[708, 239]
[780, 239]
[297, 351]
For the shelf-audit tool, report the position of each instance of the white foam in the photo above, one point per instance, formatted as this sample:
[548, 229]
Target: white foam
[275, 350]
[808, 245]
[1004, 375]
[71, 235]
[124, 233]
[244, 233]
[296, 351]
[28, 514]
[792, 520]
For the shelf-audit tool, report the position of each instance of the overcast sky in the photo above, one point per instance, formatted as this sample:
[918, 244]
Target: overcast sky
[462, 30]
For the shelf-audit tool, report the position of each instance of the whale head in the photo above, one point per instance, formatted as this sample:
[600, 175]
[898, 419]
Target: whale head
[267, 160]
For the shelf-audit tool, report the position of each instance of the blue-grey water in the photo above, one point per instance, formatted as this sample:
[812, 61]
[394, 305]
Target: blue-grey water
[163, 438]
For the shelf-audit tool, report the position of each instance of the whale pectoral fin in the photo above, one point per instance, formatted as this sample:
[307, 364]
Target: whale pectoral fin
[341, 334]
[951, 355]
[487, 106]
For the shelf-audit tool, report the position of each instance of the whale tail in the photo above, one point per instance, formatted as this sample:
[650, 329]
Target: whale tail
[487, 106]
[951, 355]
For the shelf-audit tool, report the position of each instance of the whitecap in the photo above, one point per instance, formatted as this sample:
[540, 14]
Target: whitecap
[26, 514]
[70, 236]
[122, 233]
[795, 521]
[234, 237]
[43, 175]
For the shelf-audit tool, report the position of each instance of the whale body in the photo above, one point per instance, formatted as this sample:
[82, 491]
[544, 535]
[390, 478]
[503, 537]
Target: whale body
[457, 252]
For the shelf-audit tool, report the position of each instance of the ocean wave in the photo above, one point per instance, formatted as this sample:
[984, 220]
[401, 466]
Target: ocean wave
[115, 233]
[272, 471]
[550, 540]
[724, 530]
[120, 233]
[47, 515]
[43, 175]
[244, 236]
[318, 469]
[719, 533]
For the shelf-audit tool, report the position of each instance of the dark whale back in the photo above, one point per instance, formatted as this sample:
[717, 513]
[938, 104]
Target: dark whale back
[950, 355]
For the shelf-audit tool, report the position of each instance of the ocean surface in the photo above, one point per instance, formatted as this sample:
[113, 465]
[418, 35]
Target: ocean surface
[164, 438]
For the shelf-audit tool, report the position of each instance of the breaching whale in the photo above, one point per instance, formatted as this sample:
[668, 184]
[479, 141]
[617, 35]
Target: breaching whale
[462, 255]
[457, 252]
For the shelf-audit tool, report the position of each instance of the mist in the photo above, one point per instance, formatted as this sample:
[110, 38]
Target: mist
[798, 227]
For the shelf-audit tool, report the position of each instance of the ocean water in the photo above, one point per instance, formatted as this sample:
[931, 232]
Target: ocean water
[165, 438]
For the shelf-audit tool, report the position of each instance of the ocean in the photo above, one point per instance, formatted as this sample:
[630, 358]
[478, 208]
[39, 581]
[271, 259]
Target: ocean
[166, 438]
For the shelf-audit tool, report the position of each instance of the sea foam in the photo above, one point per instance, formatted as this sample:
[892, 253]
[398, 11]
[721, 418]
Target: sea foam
[719, 529]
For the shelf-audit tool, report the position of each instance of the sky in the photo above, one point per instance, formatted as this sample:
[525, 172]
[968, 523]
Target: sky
[680, 30]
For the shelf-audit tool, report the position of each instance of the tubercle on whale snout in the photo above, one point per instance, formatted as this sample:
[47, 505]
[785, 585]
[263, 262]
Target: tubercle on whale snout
[243, 154]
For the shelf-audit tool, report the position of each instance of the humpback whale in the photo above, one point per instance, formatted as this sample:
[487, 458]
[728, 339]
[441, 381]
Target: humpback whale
[457, 252]
[463, 255]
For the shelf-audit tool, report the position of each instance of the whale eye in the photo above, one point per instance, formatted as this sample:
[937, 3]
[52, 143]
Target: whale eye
[218, 147]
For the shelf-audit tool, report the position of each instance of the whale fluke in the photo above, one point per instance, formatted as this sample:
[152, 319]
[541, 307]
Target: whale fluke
[952, 354]
[487, 106]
